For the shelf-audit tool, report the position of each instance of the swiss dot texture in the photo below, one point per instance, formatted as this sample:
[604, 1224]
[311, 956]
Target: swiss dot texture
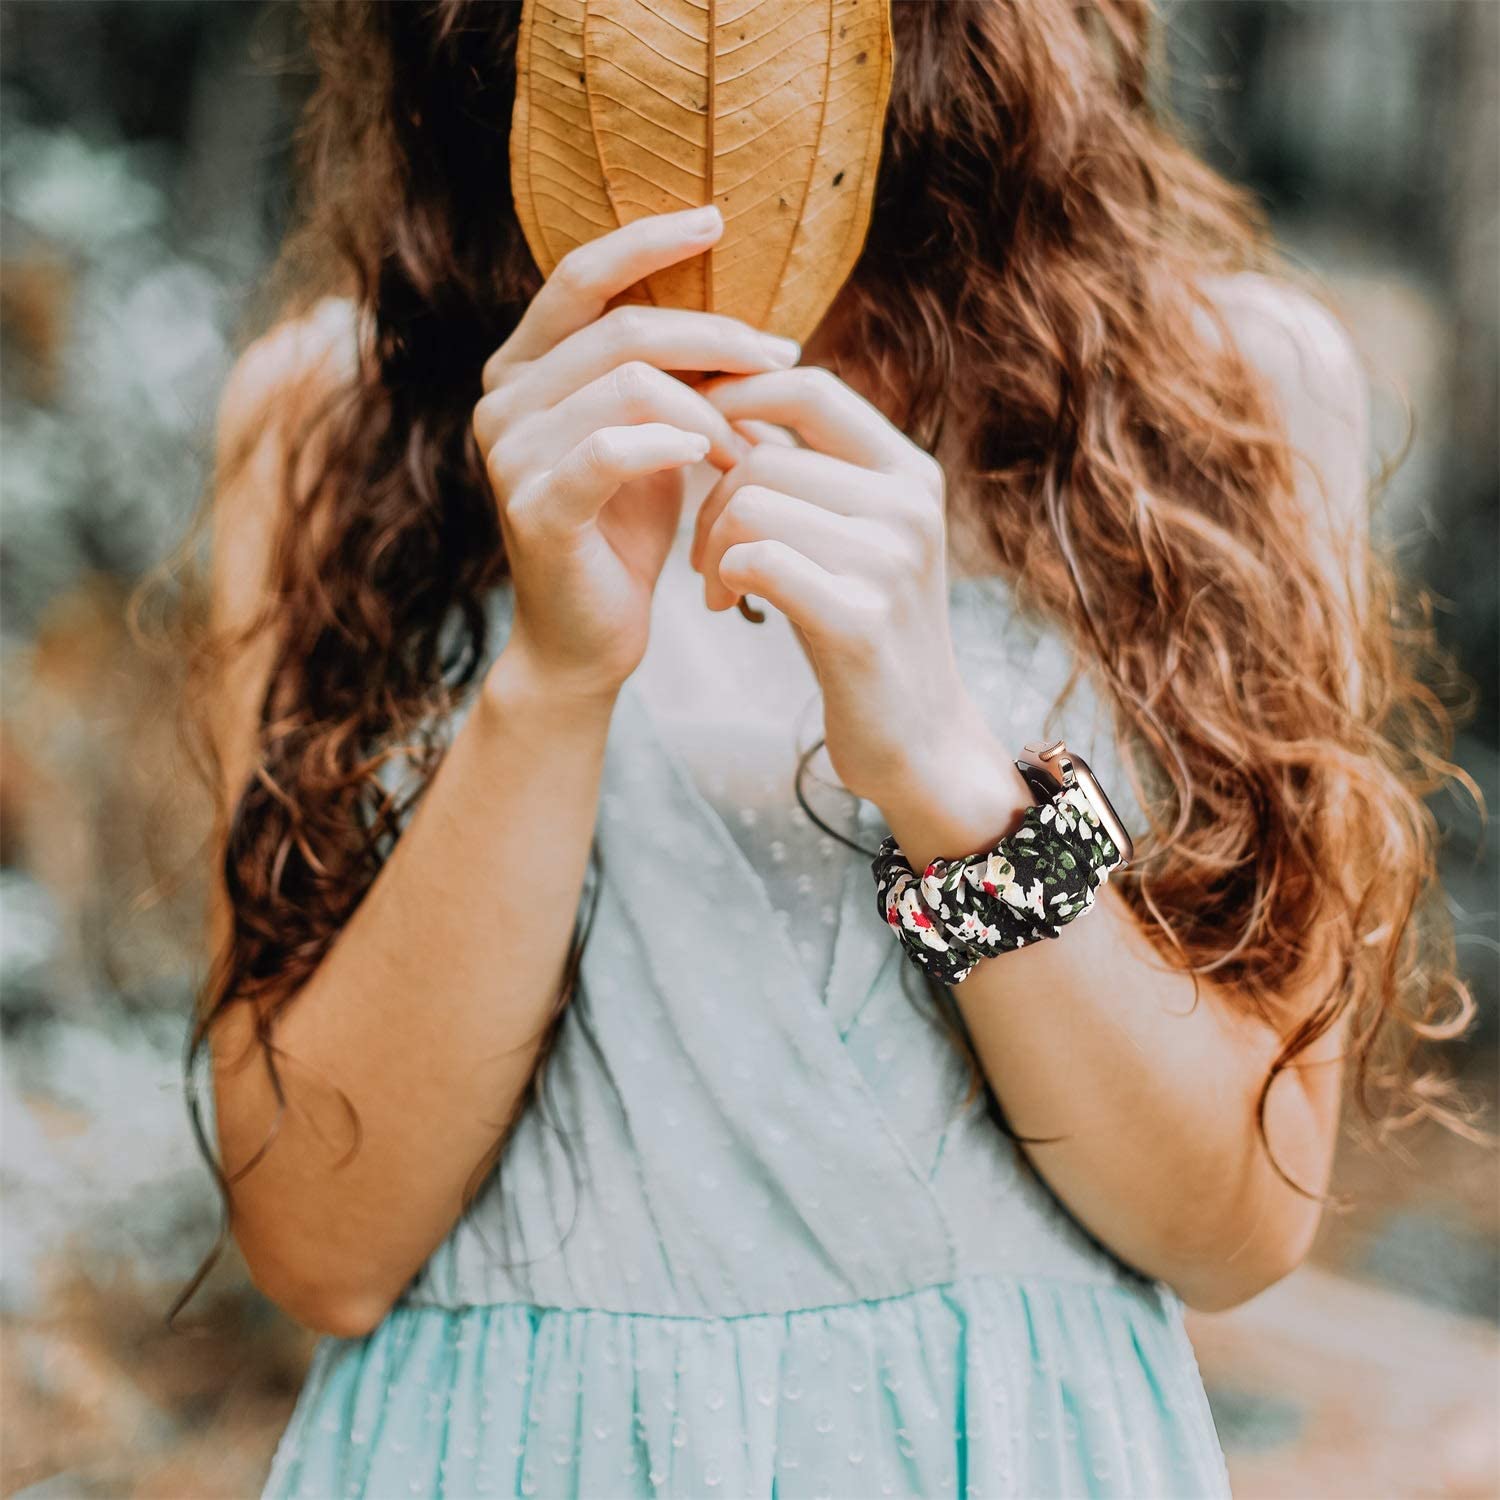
[752, 1242]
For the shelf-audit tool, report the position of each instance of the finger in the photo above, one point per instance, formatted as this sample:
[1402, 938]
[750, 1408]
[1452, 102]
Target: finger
[766, 432]
[584, 280]
[839, 543]
[821, 603]
[670, 338]
[824, 412]
[637, 392]
[831, 482]
[572, 494]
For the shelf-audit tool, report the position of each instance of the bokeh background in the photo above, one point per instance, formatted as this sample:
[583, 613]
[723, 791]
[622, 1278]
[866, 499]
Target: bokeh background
[144, 154]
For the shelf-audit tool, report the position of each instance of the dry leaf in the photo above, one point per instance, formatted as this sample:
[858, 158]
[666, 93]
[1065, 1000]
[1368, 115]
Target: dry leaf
[772, 109]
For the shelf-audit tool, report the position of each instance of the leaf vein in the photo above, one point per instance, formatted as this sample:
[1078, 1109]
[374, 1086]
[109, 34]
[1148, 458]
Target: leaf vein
[641, 114]
[771, 30]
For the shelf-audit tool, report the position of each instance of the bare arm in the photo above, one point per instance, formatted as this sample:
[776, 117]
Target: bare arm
[1154, 1095]
[428, 1009]
[1092, 1038]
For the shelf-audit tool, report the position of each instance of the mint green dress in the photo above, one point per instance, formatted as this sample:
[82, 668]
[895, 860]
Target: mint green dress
[753, 1245]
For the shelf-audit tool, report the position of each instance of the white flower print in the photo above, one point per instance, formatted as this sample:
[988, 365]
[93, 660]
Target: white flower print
[1013, 893]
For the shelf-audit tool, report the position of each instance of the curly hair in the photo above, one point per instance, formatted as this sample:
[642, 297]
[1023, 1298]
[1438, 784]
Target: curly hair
[1042, 240]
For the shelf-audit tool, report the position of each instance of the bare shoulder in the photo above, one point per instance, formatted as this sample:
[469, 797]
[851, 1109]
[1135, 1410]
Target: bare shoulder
[1312, 367]
[1315, 374]
[1280, 324]
[298, 358]
[278, 382]
[280, 379]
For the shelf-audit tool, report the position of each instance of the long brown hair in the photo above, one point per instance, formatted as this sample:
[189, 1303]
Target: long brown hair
[1039, 232]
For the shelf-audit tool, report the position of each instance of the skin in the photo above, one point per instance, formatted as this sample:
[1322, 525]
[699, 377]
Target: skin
[590, 415]
[1153, 1094]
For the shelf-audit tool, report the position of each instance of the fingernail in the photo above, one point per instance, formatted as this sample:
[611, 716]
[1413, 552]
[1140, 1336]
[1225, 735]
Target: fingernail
[704, 219]
[783, 352]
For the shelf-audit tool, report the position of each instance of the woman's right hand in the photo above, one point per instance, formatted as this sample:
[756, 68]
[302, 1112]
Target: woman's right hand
[585, 436]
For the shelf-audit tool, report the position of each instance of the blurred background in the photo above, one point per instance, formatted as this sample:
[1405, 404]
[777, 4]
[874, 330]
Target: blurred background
[144, 153]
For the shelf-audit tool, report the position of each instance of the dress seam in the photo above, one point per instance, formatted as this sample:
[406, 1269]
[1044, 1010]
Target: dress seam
[1006, 1278]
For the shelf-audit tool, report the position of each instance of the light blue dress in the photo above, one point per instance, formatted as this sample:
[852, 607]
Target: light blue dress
[753, 1246]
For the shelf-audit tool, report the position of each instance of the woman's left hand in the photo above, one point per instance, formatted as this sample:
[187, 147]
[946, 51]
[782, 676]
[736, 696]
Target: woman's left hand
[847, 537]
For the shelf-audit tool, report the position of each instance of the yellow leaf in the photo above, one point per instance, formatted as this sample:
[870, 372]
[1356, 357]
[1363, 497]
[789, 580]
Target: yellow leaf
[772, 109]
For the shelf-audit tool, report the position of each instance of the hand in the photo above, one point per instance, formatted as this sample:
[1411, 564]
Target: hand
[847, 537]
[585, 436]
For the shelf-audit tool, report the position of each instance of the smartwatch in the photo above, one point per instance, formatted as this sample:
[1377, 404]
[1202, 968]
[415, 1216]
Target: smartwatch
[1050, 769]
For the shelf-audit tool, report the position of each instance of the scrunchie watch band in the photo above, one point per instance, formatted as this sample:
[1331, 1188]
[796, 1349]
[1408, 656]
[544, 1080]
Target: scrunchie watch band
[1026, 888]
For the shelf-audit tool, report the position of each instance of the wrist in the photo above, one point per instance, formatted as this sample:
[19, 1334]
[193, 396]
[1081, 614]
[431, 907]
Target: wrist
[520, 688]
[960, 797]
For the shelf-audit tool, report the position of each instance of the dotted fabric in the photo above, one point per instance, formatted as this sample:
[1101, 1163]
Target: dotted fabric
[746, 769]
[751, 1244]
[978, 1387]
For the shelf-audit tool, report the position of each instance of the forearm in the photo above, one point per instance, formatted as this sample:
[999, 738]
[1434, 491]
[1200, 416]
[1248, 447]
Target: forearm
[427, 1011]
[1091, 1037]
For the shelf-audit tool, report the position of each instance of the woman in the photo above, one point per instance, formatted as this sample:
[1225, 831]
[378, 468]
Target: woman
[567, 1077]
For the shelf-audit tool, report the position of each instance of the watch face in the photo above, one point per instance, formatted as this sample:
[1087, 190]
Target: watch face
[1045, 768]
[1048, 768]
[1108, 817]
[1044, 785]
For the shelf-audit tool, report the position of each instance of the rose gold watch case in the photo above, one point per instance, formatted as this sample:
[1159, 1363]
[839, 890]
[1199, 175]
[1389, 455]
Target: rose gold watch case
[1050, 768]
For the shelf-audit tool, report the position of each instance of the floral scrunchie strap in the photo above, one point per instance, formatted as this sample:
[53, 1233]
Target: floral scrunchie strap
[1028, 887]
